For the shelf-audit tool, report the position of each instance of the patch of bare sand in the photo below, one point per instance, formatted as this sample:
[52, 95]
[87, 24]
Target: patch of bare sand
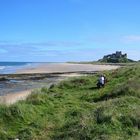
[14, 97]
[71, 75]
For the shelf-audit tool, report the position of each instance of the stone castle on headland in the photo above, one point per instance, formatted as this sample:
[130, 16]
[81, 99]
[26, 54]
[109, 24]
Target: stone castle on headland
[117, 57]
[118, 54]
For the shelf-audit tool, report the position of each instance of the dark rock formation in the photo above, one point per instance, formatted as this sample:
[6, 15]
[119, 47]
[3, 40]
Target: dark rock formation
[117, 57]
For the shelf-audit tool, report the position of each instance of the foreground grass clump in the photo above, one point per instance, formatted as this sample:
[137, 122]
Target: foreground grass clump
[75, 110]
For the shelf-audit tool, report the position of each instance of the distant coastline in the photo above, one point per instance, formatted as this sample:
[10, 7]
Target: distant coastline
[11, 67]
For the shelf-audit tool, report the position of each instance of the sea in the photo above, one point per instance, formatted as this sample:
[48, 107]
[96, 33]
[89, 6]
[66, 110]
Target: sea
[16, 85]
[12, 67]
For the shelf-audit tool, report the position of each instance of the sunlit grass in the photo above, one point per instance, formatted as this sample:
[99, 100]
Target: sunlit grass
[76, 109]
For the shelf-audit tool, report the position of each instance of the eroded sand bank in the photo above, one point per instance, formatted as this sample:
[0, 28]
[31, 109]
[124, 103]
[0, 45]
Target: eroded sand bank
[14, 97]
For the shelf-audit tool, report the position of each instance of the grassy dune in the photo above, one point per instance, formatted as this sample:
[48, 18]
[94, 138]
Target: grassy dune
[76, 110]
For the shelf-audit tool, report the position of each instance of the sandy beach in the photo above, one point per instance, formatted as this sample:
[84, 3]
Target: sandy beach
[14, 97]
[65, 67]
[55, 72]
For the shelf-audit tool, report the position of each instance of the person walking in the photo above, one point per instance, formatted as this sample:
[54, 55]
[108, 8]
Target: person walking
[101, 81]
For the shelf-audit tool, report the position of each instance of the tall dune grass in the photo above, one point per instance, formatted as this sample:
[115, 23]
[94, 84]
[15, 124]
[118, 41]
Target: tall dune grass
[76, 110]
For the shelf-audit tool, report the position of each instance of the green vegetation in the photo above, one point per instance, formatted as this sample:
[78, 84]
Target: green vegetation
[116, 60]
[77, 110]
[117, 57]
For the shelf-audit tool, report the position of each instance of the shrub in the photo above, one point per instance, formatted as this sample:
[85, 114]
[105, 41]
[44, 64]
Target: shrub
[74, 83]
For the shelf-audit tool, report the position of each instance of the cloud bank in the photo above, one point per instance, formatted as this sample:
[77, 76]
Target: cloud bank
[131, 39]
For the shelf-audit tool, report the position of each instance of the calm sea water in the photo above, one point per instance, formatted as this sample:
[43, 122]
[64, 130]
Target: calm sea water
[11, 67]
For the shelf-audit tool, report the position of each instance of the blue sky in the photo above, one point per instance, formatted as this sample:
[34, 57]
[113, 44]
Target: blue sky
[68, 30]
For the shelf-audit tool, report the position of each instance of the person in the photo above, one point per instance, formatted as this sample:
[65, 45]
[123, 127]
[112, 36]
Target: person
[101, 81]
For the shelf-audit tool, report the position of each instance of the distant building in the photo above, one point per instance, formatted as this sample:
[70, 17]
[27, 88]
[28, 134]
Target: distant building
[118, 54]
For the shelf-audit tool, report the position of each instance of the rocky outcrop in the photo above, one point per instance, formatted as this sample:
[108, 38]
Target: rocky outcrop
[117, 57]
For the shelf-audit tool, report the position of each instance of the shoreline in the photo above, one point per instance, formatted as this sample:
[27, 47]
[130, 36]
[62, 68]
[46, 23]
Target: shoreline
[65, 67]
[14, 96]
[44, 75]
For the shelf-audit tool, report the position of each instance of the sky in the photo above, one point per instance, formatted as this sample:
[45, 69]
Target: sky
[68, 30]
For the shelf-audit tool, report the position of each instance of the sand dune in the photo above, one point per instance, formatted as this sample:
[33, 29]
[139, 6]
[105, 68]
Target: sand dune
[14, 97]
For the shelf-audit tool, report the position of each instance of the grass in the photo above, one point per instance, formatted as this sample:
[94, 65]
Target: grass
[76, 110]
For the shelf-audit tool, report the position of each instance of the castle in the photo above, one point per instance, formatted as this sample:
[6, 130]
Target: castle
[118, 54]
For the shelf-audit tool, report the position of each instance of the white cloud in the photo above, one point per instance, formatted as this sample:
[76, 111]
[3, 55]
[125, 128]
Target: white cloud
[131, 39]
